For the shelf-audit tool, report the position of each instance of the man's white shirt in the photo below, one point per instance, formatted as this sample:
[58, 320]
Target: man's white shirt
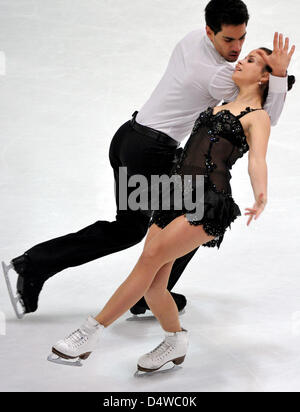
[197, 77]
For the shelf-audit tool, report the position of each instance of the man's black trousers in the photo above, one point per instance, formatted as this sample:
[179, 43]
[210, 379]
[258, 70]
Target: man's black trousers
[141, 154]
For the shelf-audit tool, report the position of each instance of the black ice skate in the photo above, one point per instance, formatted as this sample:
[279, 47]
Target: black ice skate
[16, 299]
[28, 286]
[141, 307]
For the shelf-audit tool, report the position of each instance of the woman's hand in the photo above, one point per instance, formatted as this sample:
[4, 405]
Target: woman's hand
[257, 209]
[280, 59]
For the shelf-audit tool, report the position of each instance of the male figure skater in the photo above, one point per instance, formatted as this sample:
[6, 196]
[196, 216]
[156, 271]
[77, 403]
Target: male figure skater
[199, 74]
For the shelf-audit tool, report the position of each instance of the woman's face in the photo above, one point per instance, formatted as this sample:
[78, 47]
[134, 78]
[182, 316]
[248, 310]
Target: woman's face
[250, 70]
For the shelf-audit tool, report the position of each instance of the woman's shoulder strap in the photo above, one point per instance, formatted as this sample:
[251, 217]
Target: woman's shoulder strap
[246, 111]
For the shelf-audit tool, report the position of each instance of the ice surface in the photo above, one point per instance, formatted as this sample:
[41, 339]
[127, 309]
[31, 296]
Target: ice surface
[72, 73]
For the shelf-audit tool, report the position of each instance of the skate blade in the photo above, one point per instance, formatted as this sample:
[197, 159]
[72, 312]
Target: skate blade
[167, 368]
[59, 361]
[142, 318]
[139, 318]
[16, 301]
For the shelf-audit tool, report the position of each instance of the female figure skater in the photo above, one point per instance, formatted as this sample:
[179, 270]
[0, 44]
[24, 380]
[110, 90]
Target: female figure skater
[220, 136]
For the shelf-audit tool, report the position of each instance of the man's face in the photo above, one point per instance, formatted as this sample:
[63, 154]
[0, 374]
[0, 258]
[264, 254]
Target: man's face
[229, 41]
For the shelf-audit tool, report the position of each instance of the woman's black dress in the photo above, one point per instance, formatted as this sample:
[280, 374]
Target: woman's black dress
[215, 144]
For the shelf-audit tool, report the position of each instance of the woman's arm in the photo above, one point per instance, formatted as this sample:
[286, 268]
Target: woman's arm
[258, 138]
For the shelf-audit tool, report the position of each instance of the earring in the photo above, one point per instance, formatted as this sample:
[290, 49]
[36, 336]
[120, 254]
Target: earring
[260, 83]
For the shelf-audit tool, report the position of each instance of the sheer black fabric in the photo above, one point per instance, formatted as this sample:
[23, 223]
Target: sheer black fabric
[217, 141]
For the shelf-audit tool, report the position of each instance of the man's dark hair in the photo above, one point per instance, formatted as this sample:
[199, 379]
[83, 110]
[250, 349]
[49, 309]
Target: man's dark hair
[229, 12]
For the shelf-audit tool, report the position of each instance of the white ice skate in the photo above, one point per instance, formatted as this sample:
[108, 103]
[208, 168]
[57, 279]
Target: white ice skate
[16, 300]
[172, 349]
[78, 345]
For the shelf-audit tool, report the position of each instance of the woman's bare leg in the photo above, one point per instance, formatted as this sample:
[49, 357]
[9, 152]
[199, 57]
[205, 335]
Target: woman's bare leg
[161, 302]
[174, 241]
[158, 298]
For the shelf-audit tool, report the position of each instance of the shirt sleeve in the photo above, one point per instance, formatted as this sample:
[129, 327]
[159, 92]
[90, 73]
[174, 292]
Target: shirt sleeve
[278, 87]
[222, 87]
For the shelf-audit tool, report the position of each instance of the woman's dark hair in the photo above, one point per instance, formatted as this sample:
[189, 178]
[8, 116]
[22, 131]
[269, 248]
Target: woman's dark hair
[230, 12]
[291, 79]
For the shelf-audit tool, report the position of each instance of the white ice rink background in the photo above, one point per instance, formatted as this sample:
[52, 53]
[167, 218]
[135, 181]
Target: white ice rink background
[71, 72]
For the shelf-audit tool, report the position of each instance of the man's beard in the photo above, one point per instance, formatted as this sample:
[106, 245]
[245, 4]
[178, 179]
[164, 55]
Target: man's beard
[232, 59]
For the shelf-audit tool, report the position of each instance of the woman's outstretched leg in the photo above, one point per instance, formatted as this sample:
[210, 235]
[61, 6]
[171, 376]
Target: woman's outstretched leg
[175, 240]
[161, 249]
[153, 231]
[130, 291]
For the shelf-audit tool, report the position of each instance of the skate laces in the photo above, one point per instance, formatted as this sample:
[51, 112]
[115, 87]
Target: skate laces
[77, 338]
[162, 348]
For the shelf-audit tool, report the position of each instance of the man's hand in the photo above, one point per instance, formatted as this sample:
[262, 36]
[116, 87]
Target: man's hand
[280, 59]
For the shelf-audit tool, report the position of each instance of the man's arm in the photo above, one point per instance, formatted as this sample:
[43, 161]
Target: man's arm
[278, 87]
[222, 87]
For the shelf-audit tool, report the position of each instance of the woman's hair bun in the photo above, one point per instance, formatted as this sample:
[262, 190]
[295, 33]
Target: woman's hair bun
[291, 81]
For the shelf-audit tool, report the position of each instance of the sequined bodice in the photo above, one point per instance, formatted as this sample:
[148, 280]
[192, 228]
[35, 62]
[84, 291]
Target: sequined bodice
[215, 144]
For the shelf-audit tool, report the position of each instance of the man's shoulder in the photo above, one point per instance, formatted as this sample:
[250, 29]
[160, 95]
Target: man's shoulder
[194, 35]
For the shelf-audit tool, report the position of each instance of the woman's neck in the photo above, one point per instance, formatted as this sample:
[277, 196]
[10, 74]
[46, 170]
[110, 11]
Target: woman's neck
[249, 96]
